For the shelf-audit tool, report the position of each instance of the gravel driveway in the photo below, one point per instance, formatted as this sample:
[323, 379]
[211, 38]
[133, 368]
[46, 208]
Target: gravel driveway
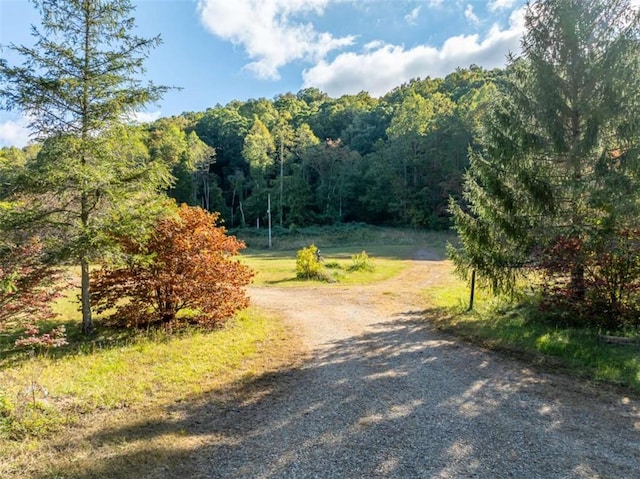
[381, 394]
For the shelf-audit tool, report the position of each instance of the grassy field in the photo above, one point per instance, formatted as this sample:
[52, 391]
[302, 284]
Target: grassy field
[353, 235]
[519, 331]
[279, 266]
[384, 246]
[115, 382]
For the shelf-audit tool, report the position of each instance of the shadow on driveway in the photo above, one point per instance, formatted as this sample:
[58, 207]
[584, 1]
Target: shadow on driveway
[399, 401]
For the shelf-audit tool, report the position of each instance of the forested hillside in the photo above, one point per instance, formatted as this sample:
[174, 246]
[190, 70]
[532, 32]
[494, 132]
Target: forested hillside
[393, 160]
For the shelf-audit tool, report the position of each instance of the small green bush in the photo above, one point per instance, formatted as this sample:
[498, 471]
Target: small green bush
[35, 420]
[308, 264]
[361, 262]
[27, 419]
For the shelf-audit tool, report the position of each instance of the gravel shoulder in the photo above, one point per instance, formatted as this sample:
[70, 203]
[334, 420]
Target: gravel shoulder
[379, 393]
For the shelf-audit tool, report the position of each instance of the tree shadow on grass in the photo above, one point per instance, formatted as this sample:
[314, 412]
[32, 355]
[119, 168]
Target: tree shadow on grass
[397, 401]
[105, 337]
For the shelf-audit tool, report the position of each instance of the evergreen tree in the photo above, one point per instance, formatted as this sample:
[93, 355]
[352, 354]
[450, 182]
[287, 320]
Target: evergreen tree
[558, 156]
[78, 83]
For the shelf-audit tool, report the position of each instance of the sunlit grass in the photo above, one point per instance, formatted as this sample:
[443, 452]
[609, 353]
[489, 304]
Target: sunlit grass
[518, 329]
[345, 235]
[141, 373]
[279, 267]
[149, 367]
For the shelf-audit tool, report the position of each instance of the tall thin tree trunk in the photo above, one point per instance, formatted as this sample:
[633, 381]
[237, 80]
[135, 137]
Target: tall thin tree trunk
[281, 179]
[233, 206]
[87, 321]
[577, 286]
[244, 222]
[85, 292]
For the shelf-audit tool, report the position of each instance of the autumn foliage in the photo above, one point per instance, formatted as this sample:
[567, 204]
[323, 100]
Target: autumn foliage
[186, 266]
[28, 288]
[611, 278]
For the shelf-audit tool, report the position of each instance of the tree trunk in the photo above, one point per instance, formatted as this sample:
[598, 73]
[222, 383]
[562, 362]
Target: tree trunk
[85, 292]
[281, 180]
[87, 322]
[577, 286]
[244, 222]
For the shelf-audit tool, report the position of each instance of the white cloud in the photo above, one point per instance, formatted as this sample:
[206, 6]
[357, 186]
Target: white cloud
[268, 31]
[379, 70]
[145, 116]
[14, 133]
[435, 3]
[412, 15]
[494, 5]
[374, 45]
[470, 15]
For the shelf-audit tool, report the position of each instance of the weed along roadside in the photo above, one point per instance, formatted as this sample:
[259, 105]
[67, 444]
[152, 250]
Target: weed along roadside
[127, 383]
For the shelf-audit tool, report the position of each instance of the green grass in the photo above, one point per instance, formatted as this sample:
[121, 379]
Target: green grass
[147, 367]
[340, 236]
[518, 330]
[337, 244]
[279, 266]
[134, 375]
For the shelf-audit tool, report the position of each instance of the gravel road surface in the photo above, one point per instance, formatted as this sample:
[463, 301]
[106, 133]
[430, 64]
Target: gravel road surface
[381, 394]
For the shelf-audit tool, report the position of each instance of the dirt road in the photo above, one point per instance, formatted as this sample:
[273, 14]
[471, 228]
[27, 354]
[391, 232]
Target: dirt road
[381, 394]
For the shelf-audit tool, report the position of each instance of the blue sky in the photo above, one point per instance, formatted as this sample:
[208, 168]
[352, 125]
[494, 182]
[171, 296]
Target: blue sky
[221, 50]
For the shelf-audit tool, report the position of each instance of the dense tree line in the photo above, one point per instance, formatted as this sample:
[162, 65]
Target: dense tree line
[393, 160]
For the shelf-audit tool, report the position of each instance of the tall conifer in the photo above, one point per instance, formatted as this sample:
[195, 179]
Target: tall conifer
[78, 82]
[559, 151]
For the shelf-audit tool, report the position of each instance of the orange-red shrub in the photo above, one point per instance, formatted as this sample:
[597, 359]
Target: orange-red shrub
[29, 285]
[186, 265]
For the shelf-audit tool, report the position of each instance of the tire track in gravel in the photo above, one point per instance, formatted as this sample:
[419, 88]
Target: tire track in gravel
[381, 394]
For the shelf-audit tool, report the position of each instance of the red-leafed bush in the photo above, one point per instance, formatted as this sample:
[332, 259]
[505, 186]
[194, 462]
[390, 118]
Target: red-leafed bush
[28, 288]
[610, 266]
[187, 265]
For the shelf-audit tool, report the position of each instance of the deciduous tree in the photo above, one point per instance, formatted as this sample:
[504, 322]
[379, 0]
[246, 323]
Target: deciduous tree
[188, 265]
[29, 285]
